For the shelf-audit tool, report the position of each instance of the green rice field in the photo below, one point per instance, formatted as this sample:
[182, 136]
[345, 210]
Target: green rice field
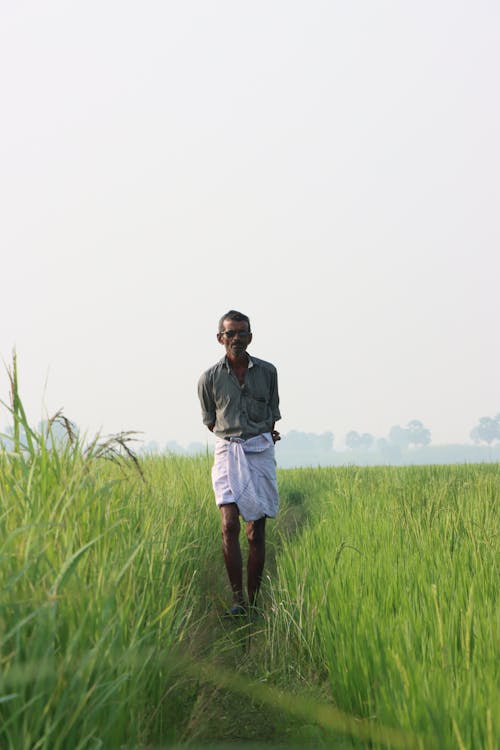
[380, 622]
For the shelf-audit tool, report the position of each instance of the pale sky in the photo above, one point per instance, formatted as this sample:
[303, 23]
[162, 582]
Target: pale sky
[331, 169]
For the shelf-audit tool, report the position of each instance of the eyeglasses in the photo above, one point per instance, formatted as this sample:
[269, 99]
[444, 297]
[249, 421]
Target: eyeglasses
[231, 334]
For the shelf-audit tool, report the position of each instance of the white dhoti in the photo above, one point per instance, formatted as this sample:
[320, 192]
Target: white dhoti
[244, 472]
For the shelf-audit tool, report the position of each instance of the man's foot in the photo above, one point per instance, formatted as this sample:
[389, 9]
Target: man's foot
[237, 610]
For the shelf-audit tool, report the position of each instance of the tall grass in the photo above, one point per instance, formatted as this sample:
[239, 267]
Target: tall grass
[99, 580]
[380, 624]
[391, 597]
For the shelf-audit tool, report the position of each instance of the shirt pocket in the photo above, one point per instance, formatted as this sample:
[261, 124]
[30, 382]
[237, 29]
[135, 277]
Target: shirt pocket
[257, 409]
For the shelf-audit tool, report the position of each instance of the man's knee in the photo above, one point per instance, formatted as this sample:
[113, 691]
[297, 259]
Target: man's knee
[256, 532]
[230, 523]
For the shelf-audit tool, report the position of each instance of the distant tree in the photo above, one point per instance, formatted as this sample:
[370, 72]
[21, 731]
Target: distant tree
[151, 448]
[415, 433]
[399, 436]
[418, 434]
[390, 452]
[367, 440]
[325, 441]
[355, 441]
[487, 431]
[173, 447]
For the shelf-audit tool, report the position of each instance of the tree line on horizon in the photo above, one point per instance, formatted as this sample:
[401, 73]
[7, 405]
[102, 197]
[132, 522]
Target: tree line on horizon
[414, 435]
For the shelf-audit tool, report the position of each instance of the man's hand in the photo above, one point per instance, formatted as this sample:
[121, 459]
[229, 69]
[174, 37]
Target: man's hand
[275, 436]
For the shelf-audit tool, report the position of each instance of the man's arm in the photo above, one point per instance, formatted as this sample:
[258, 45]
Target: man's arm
[205, 394]
[274, 401]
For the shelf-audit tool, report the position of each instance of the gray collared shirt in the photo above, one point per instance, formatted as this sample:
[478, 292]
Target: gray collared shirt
[240, 410]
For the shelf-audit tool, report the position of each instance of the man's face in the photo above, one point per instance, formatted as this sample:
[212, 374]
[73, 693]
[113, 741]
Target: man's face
[235, 338]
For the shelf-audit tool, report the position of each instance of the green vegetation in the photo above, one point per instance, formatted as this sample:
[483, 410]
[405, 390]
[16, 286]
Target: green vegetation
[380, 623]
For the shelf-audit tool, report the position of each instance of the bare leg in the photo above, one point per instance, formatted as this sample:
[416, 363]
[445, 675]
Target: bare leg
[231, 549]
[256, 535]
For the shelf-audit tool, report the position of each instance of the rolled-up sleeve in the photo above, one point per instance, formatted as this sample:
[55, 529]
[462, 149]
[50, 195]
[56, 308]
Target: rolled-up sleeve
[205, 394]
[274, 400]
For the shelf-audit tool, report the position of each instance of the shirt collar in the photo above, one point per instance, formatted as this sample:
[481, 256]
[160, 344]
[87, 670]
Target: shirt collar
[225, 362]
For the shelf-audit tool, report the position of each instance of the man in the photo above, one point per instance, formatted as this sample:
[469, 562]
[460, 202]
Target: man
[240, 405]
